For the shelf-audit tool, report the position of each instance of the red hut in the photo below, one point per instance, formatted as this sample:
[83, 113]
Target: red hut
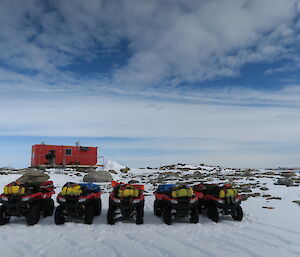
[61, 155]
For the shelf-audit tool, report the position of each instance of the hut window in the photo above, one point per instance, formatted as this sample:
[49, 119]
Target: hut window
[68, 151]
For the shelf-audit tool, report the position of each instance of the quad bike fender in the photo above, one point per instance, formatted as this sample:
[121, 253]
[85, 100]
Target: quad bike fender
[48, 195]
[91, 196]
[199, 195]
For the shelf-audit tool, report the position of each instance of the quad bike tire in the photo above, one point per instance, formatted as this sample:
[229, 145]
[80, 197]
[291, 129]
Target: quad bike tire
[157, 208]
[59, 216]
[33, 215]
[3, 218]
[200, 206]
[89, 214]
[194, 215]
[111, 215]
[167, 215]
[212, 213]
[238, 216]
[97, 207]
[143, 204]
[139, 214]
[49, 207]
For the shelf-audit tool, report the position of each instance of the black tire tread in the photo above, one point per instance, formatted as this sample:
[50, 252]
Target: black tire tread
[33, 215]
[212, 213]
[3, 218]
[239, 213]
[167, 215]
[59, 216]
[89, 214]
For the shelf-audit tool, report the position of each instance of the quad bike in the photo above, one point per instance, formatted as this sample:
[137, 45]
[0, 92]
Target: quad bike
[27, 199]
[129, 200]
[78, 201]
[220, 200]
[176, 201]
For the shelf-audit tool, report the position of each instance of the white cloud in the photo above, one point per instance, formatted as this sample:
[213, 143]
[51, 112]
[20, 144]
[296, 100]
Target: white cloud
[185, 42]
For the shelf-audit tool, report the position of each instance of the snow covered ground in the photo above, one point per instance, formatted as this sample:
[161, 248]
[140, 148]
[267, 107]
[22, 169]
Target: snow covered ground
[263, 232]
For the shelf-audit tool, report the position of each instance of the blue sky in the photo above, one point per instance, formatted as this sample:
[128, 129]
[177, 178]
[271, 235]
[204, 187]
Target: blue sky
[152, 82]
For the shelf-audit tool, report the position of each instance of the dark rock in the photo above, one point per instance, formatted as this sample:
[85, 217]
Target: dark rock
[113, 172]
[133, 181]
[297, 201]
[266, 195]
[98, 176]
[33, 175]
[274, 198]
[284, 181]
[125, 170]
[264, 188]
[255, 195]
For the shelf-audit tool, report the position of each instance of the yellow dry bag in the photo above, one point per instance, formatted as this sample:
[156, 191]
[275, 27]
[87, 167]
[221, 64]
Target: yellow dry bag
[182, 192]
[71, 190]
[128, 192]
[230, 192]
[14, 190]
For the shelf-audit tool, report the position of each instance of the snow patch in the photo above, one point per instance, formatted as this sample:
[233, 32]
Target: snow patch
[113, 165]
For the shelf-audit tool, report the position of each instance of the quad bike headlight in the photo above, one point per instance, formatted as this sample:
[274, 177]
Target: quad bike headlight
[81, 200]
[193, 200]
[4, 198]
[237, 200]
[117, 200]
[62, 199]
[136, 201]
[174, 201]
[220, 201]
[24, 199]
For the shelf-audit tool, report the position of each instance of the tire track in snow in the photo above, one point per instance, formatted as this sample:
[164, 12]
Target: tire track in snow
[270, 235]
[185, 243]
[123, 249]
[229, 244]
[157, 250]
[261, 235]
[282, 241]
[279, 228]
[114, 250]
